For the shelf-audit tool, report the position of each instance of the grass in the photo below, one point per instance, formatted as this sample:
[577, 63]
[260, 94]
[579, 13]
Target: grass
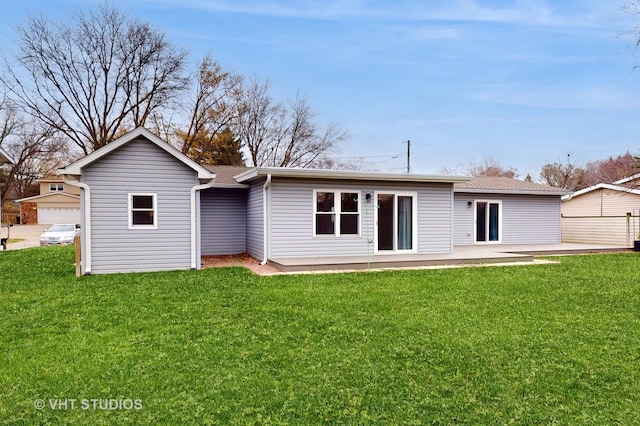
[550, 344]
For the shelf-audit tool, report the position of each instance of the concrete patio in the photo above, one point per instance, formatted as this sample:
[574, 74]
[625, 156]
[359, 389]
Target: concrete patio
[462, 255]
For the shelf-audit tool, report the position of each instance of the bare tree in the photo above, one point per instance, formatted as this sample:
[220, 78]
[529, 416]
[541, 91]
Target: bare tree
[566, 176]
[492, 168]
[609, 170]
[489, 167]
[258, 115]
[279, 135]
[34, 147]
[94, 75]
[37, 152]
[212, 111]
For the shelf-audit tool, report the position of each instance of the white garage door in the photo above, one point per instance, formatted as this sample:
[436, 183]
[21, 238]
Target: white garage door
[47, 216]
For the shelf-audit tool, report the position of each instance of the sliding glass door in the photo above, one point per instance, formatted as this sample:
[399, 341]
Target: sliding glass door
[488, 221]
[395, 222]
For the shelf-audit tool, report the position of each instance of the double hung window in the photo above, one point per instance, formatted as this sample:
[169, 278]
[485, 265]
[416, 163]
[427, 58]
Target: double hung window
[142, 211]
[336, 213]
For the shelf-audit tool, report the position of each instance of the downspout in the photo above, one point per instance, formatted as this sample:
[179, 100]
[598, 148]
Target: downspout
[265, 224]
[87, 221]
[195, 262]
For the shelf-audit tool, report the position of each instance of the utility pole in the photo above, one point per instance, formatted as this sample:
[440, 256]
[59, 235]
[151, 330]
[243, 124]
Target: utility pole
[408, 156]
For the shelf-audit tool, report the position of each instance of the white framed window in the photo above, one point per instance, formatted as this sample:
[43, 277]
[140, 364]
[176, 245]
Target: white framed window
[336, 212]
[143, 209]
[56, 187]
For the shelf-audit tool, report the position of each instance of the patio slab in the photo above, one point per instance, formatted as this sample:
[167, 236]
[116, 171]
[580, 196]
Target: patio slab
[462, 255]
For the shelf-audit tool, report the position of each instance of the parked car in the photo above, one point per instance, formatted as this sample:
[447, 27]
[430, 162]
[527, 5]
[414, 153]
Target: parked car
[64, 233]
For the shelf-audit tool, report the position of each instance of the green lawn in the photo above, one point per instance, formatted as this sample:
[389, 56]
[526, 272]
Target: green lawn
[547, 344]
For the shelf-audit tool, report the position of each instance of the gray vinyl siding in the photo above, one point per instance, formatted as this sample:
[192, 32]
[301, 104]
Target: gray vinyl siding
[140, 167]
[254, 220]
[291, 219]
[223, 221]
[526, 219]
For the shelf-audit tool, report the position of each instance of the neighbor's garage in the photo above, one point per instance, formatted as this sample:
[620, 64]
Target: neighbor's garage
[48, 215]
[50, 208]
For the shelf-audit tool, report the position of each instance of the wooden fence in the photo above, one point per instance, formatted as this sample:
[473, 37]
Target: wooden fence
[611, 230]
[13, 218]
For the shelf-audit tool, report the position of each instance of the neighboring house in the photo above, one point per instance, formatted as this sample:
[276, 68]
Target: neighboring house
[603, 213]
[5, 158]
[147, 207]
[57, 203]
[501, 210]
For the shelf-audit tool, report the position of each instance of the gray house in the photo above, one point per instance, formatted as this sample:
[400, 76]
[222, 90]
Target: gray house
[139, 204]
[147, 207]
[280, 213]
[500, 210]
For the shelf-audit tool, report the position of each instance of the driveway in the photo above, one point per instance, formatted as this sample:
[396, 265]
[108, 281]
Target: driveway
[29, 235]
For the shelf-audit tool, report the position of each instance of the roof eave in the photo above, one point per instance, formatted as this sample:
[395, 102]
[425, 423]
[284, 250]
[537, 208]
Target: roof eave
[344, 175]
[41, 196]
[608, 186]
[510, 191]
[75, 168]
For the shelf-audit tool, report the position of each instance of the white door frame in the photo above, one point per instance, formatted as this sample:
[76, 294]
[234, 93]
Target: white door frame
[414, 221]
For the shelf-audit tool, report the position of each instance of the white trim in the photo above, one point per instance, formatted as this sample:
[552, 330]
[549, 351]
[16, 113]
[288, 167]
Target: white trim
[627, 179]
[475, 221]
[601, 186]
[85, 229]
[559, 192]
[195, 222]
[154, 196]
[337, 211]
[265, 217]
[255, 172]
[76, 167]
[47, 195]
[414, 221]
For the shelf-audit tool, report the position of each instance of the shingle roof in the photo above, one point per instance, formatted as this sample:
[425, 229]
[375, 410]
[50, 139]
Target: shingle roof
[506, 185]
[225, 174]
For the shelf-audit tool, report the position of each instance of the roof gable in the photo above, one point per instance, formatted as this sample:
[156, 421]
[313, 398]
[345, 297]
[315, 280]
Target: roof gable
[76, 167]
[49, 195]
[608, 186]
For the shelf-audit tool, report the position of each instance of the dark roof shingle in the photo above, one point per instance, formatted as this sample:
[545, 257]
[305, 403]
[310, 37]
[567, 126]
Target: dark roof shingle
[505, 184]
[225, 174]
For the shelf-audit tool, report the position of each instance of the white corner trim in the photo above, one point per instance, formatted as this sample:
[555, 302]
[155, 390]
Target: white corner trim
[265, 217]
[85, 231]
[195, 262]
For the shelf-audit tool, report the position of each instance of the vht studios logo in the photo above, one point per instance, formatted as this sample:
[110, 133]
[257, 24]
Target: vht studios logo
[88, 404]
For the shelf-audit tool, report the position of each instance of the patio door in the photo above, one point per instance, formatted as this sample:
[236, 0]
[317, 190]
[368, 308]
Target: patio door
[395, 218]
[488, 221]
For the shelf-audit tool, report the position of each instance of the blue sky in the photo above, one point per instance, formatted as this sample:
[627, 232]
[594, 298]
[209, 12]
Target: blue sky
[523, 82]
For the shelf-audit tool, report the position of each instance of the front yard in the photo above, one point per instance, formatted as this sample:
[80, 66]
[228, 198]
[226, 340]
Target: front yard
[552, 344]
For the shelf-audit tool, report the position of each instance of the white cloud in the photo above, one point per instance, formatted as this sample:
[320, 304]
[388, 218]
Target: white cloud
[524, 12]
[595, 98]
